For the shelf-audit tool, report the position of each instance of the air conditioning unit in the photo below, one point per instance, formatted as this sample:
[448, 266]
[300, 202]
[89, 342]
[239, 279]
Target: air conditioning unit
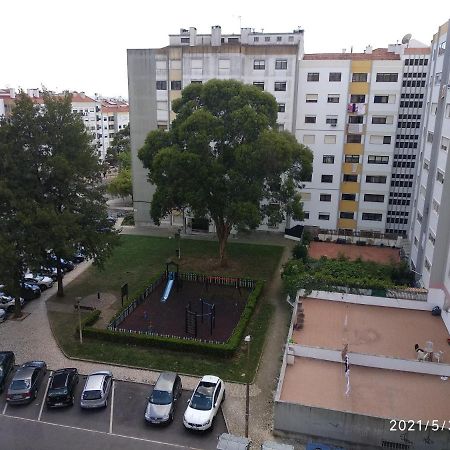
[333, 124]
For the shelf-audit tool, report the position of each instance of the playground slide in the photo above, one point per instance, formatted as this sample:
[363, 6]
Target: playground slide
[168, 288]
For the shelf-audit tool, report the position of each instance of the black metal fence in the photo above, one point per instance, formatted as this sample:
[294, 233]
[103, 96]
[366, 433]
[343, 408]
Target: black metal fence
[222, 281]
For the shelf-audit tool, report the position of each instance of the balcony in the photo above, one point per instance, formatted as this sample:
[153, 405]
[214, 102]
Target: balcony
[356, 108]
[352, 168]
[356, 128]
[353, 149]
[348, 205]
[359, 87]
[349, 187]
[347, 224]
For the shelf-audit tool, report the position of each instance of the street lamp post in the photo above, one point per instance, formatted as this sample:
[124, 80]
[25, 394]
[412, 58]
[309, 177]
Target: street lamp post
[79, 319]
[247, 339]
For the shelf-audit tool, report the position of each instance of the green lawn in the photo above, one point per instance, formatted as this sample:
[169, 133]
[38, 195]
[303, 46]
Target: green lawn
[138, 259]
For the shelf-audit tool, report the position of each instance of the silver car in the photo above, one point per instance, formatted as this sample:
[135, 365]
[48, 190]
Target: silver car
[26, 381]
[163, 399]
[96, 390]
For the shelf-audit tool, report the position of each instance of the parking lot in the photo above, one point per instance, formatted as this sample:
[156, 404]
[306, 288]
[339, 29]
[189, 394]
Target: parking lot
[116, 426]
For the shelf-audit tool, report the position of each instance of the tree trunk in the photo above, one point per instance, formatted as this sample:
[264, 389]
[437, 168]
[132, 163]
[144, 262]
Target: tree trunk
[59, 275]
[16, 292]
[223, 231]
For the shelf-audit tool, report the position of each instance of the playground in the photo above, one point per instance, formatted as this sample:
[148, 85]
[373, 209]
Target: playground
[206, 309]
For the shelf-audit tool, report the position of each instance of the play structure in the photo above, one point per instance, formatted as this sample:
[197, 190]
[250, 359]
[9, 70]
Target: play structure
[172, 278]
[208, 312]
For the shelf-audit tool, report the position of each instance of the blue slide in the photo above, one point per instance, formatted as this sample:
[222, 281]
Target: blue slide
[168, 286]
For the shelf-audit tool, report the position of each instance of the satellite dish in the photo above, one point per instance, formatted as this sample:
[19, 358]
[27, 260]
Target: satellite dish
[406, 38]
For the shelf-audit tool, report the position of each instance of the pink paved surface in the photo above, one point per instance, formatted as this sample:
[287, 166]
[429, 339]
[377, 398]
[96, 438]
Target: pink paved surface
[374, 392]
[371, 329]
[382, 255]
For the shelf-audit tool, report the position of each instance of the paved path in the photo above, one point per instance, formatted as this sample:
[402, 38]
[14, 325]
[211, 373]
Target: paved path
[31, 338]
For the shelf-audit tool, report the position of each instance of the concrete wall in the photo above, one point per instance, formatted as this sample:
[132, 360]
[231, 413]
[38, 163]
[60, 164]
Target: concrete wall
[142, 95]
[352, 430]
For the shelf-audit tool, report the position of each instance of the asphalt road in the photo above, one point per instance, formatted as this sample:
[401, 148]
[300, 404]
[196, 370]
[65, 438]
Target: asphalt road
[119, 426]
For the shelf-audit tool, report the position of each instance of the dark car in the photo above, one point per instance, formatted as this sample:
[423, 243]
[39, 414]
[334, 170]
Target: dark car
[29, 291]
[66, 265]
[163, 399]
[61, 390]
[7, 360]
[26, 381]
[78, 257]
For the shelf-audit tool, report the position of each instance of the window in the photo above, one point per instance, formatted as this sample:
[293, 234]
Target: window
[381, 99]
[386, 139]
[161, 85]
[328, 159]
[432, 238]
[441, 48]
[430, 136]
[357, 98]
[175, 85]
[281, 107]
[224, 66]
[324, 216]
[310, 119]
[331, 120]
[416, 241]
[427, 264]
[281, 64]
[380, 179]
[259, 84]
[346, 215]
[266, 38]
[196, 82]
[306, 215]
[329, 139]
[333, 98]
[374, 198]
[279, 38]
[354, 138]
[350, 178]
[372, 216]
[311, 98]
[309, 138]
[312, 76]
[444, 143]
[440, 177]
[349, 197]
[376, 159]
[280, 85]
[379, 120]
[354, 159]
[376, 139]
[355, 119]
[387, 77]
[259, 64]
[334, 76]
[327, 178]
[325, 197]
[256, 39]
[359, 77]
[426, 164]
[435, 206]
[185, 40]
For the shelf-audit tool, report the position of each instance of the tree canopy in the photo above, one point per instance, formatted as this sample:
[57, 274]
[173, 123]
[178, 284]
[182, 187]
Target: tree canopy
[224, 158]
[50, 192]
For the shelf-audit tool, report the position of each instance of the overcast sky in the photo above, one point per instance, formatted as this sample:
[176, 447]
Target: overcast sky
[81, 44]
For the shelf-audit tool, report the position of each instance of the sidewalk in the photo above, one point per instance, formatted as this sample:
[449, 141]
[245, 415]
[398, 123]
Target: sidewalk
[32, 338]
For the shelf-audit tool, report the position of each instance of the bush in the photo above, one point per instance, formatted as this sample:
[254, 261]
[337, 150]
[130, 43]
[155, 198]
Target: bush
[226, 349]
[300, 251]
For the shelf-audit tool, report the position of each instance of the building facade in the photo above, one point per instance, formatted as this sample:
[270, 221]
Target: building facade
[430, 227]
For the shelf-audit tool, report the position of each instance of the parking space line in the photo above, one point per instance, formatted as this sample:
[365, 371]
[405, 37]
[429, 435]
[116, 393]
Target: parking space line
[45, 396]
[4, 409]
[112, 407]
[168, 444]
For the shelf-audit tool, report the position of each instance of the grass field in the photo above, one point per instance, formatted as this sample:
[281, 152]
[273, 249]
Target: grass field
[135, 261]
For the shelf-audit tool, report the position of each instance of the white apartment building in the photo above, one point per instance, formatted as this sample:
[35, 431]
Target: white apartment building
[430, 227]
[347, 108]
[157, 76]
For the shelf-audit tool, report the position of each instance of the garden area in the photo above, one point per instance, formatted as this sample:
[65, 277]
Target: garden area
[140, 260]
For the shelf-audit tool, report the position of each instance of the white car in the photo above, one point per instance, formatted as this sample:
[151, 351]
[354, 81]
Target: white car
[204, 403]
[42, 281]
[2, 315]
[8, 303]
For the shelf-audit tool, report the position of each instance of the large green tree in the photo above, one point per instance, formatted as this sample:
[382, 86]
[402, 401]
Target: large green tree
[121, 185]
[225, 158]
[119, 145]
[52, 196]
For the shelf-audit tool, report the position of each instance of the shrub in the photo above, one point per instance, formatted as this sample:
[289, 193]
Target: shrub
[300, 251]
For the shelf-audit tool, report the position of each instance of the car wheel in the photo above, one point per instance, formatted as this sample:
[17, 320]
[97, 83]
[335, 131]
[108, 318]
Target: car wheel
[106, 403]
[43, 287]
[223, 397]
[171, 417]
[35, 394]
[72, 400]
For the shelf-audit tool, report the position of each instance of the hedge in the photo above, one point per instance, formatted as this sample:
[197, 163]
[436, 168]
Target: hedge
[226, 349]
[89, 320]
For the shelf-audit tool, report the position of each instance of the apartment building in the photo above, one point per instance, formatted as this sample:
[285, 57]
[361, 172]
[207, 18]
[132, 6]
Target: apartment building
[102, 117]
[347, 108]
[269, 61]
[430, 227]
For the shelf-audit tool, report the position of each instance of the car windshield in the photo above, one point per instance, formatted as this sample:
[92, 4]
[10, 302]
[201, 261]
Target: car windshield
[202, 398]
[58, 391]
[18, 385]
[1, 371]
[161, 398]
[92, 395]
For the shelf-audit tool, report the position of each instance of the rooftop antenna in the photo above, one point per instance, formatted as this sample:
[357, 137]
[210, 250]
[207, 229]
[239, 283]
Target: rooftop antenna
[406, 39]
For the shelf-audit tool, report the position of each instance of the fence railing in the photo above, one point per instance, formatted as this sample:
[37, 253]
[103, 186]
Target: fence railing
[186, 276]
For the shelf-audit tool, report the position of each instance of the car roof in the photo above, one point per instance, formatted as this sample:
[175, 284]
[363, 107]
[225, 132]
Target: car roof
[94, 381]
[165, 381]
[210, 379]
[23, 373]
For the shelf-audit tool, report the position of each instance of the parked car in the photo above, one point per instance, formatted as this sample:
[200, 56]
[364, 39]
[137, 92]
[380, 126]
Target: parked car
[7, 361]
[204, 403]
[8, 303]
[163, 399]
[96, 390]
[2, 315]
[29, 291]
[61, 390]
[26, 381]
[51, 272]
[42, 281]
[78, 256]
